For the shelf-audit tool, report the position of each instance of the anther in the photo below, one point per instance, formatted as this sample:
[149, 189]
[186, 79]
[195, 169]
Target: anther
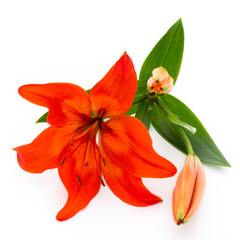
[79, 181]
[102, 182]
[62, 162]
[86, 164]
[104, 162]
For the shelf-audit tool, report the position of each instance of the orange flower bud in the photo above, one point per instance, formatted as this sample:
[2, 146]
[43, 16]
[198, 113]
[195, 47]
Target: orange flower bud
[189, 190]
[160, 82]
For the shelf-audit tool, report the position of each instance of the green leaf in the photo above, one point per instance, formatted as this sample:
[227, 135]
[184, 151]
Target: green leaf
[136, 100]
[43, 118]
[132, 110]
[168, 52]
[144, 112]
[177, 121]
[142, 87]
[203, 145]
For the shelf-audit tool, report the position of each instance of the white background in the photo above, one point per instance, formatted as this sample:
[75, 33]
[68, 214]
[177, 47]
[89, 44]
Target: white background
[78, 41]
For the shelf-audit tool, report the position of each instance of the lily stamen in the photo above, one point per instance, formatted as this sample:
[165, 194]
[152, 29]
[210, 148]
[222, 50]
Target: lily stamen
[63, 160]
[102, 182]
[79, 181]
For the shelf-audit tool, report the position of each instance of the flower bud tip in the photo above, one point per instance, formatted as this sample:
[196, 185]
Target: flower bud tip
[123, 53]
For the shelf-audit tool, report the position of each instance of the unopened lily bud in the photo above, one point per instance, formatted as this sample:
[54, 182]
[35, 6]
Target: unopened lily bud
[189, 190]
[160, 82]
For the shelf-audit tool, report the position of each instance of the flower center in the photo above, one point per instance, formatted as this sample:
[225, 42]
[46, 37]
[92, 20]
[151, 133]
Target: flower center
[157, 86]
[94, 127]
[91, 126]
[85, 135]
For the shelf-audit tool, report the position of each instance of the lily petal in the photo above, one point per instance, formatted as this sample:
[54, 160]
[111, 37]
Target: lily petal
[188, 190]
[78, 172]
[167, 85]
[43, 153]
[128, 188]
[67, 103]
[126, 141]
[160, 74]
[199, 188]
[114, 94]
[185, 186]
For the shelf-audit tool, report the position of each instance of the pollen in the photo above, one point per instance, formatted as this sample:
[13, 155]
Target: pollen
[102, 182]
[104, 162]
[79, 181]
[62, 162]
[86, 164]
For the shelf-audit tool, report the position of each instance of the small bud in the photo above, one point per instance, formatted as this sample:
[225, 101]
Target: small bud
[160, 82]
[189, 190]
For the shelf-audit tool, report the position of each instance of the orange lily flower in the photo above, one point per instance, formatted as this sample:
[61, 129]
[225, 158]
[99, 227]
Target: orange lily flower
[189, 190]
[122, 155]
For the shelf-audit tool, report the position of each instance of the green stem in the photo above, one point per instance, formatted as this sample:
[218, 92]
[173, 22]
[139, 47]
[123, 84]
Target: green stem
[160, 104]
[185, 140]
[150, 105]
[139, 99]
[180, 129]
